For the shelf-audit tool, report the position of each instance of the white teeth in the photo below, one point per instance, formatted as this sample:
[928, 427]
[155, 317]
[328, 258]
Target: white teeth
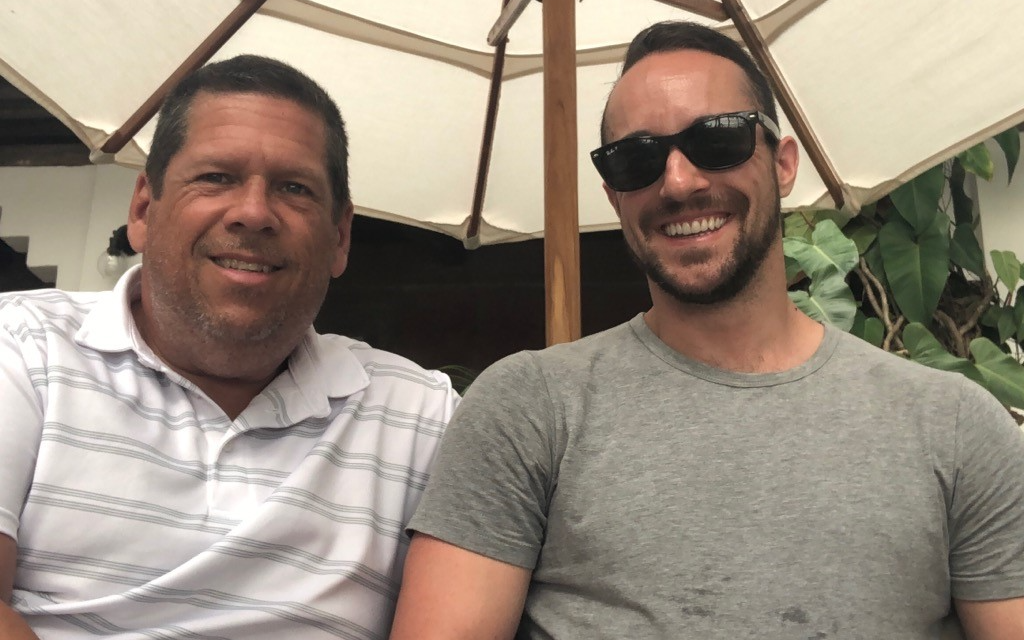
[694, 227]
[229, 263]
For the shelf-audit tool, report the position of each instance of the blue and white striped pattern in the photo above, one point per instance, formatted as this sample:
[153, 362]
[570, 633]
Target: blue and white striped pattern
[142, 511]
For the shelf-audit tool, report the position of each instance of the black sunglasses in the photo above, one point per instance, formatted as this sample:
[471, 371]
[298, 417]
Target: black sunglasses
[713, 143]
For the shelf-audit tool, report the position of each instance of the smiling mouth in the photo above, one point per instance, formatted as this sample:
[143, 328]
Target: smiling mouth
[241, 265]
[694, 227]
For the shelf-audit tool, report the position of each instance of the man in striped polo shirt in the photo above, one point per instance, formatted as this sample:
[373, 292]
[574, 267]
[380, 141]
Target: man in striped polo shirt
[185, 457]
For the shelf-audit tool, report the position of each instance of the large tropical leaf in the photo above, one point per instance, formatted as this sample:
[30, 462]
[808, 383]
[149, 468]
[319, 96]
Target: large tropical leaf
[828, 249]
[1002, 375]
[873, 258]
[965, 252]
[800, 224]
[963, 205]
[978, 161]
[918, 200]
[1006, 323]
[1009, 142]
[829, 300]
[917, 269]
[1018, 312]
[868, 329]
[924, 348]
[862, 232]
[1007, 268]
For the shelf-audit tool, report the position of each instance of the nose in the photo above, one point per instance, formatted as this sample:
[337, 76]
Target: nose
[253, 209]
[682, 178]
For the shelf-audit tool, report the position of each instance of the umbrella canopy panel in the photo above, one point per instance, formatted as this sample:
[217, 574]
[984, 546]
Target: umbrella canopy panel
[889, 88]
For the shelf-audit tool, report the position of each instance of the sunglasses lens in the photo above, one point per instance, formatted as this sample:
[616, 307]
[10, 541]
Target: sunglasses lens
[720, 143]
[631, 164]
[715, 143]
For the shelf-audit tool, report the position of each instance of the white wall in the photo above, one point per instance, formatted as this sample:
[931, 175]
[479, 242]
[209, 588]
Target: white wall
[68, 214]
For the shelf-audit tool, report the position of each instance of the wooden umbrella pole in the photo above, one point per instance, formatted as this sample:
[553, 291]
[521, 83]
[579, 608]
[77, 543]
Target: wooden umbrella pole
[561, 201]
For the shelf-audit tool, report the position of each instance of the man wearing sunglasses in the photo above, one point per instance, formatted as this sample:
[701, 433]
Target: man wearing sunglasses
[721, 466]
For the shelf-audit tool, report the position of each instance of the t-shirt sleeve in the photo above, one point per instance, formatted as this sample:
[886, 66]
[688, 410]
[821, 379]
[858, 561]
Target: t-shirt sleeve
[986, 519]
[21, 418]
[493, 478]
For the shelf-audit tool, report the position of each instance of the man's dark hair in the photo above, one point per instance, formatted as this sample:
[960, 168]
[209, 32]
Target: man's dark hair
[678, 35]
[254, 75]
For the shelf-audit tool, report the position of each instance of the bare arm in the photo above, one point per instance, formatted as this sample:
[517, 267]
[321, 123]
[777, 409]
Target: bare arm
[449, 593]
[12, 627]
[992, 620]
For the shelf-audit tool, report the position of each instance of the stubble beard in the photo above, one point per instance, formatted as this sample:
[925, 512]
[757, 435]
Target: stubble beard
[747, 256]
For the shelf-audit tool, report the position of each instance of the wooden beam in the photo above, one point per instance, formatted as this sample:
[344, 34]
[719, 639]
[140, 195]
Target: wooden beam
[812, 145]
[561, 201]
[712, 9]
[221, 34]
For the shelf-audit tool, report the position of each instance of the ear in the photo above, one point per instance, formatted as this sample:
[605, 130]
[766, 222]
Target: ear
[787, 157]
[613, 198]
[138, 213]
[344, 241]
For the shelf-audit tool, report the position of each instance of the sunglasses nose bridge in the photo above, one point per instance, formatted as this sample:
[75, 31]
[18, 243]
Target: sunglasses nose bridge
[682, 177]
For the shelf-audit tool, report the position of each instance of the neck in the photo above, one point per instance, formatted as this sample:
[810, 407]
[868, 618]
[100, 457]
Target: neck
[230, 375]
[758, 331]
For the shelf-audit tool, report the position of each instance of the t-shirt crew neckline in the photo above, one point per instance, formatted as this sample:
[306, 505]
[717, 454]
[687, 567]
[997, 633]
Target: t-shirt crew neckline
[732, 378]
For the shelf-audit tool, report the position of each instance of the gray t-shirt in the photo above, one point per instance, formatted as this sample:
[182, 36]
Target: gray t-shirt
[657, 497]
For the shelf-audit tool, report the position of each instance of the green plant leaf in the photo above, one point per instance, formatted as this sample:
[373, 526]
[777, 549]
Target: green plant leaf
[873, 258]
[924, 348]
[868, 329]
[828, 249]
[1007, 267]
[1002, 375]
[963, 205]
[978, 161]
[1009, 142]
[965, 252]
[862, 233]
[792, 271]
[829, 300]
[1018, 311]
[794, 225]
[1006, 324]
[917, 269]
[918, 200]
[800, 224]
[991, 317]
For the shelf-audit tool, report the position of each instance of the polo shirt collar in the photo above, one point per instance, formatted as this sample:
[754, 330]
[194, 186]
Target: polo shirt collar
[322, 367]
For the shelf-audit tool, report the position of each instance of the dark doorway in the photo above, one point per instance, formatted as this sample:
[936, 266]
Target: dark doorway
[422, 295]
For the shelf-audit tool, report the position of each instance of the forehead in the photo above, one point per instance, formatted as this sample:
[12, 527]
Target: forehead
[254, 122]
[665, 92]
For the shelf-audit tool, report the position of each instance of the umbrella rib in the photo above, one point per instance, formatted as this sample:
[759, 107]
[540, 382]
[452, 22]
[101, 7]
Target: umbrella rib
[213, 42]
[510, 12]
[472, 240]
[712, 9]
[755, 43]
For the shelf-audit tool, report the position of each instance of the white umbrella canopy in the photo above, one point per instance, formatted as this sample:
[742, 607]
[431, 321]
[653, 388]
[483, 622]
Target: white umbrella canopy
[889, 88]
[878, 91]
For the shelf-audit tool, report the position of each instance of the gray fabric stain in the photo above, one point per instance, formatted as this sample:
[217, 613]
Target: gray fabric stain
[703, 612]
[795, 614]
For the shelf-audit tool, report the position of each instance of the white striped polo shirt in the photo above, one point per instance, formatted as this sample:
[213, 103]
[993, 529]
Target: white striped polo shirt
[142, 511]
